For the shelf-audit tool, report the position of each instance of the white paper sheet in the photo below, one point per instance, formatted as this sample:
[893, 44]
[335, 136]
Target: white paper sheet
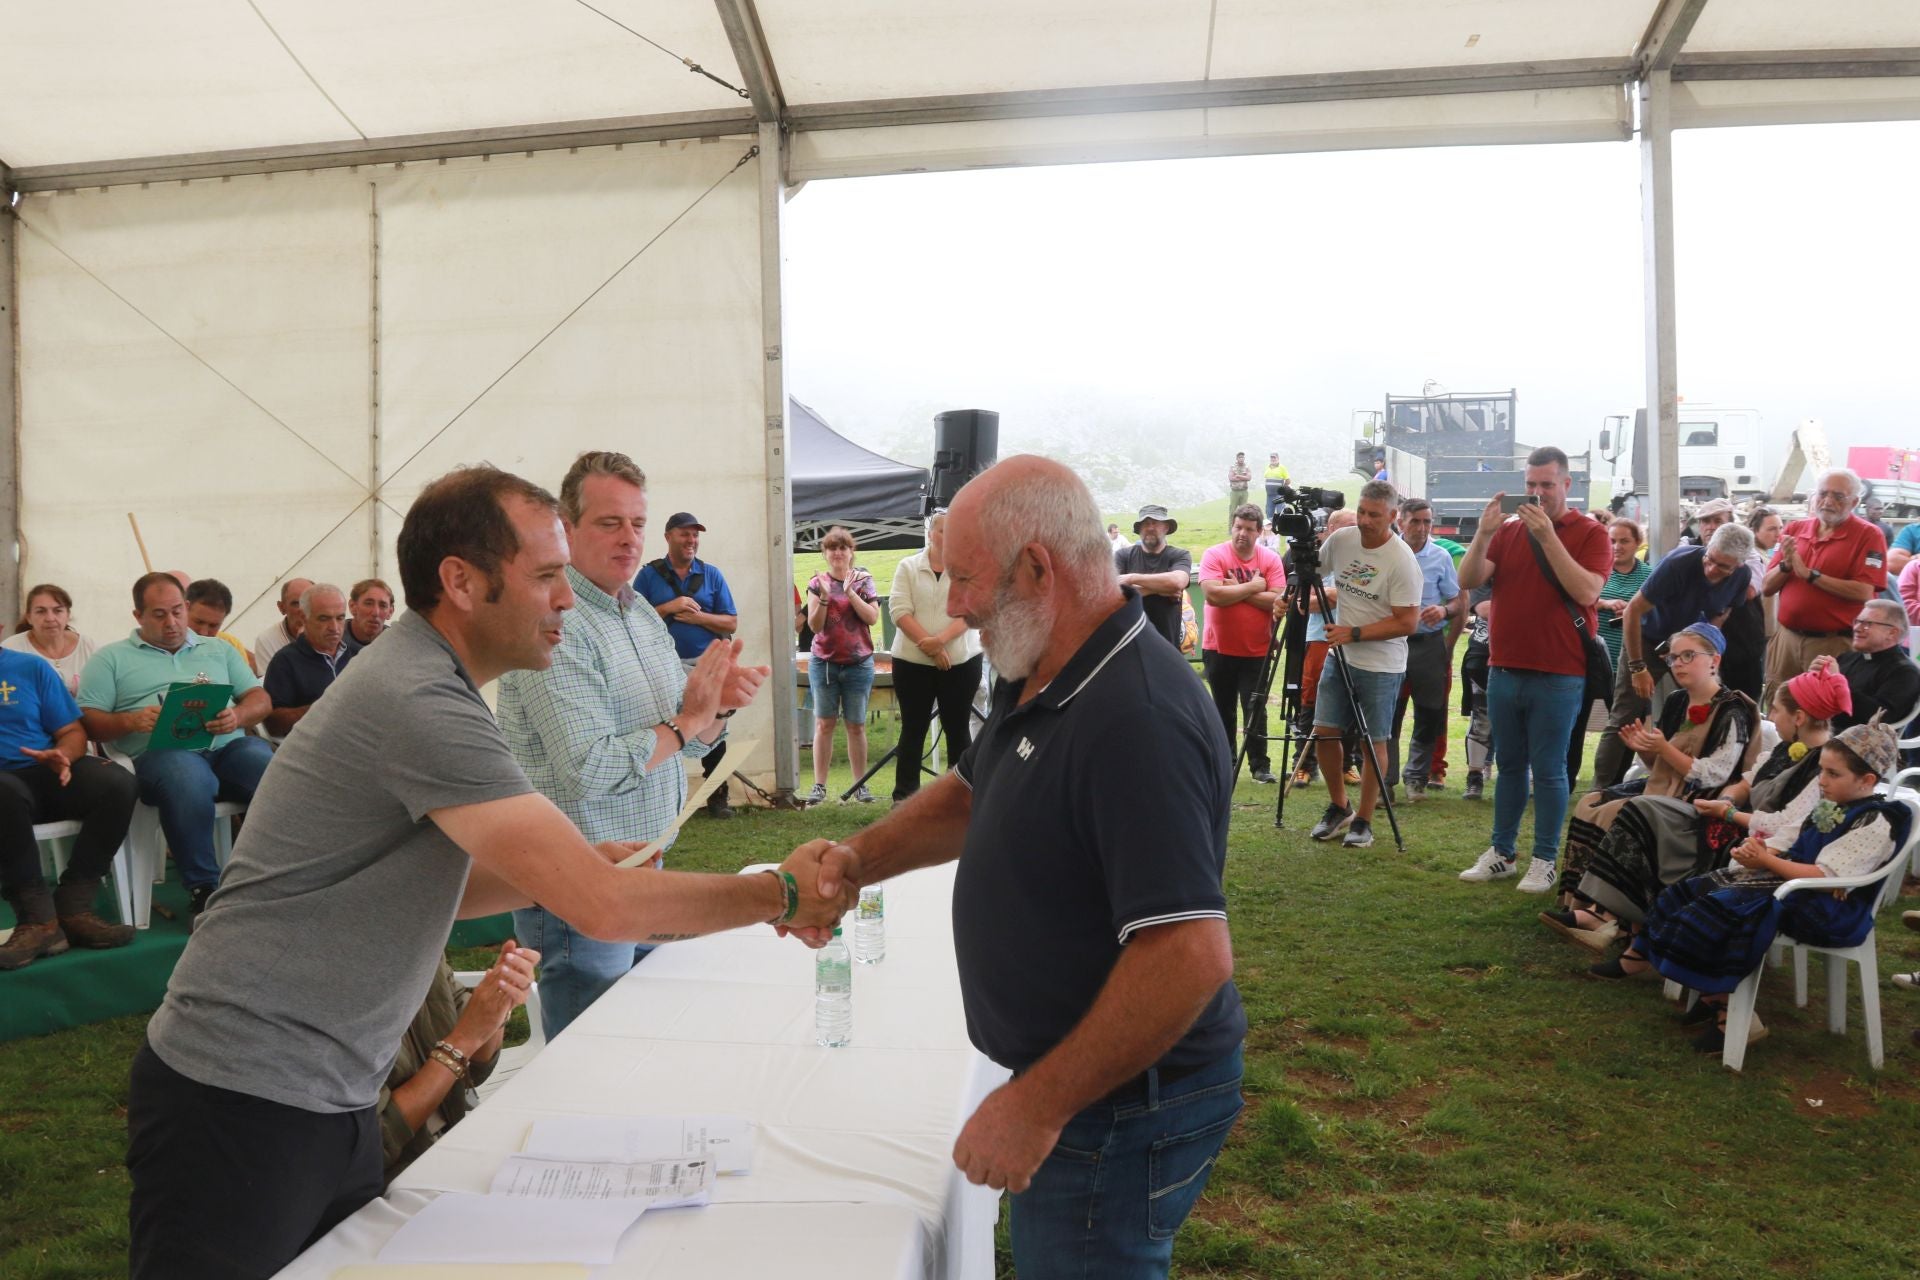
[725, 1140]
[695, 802]
[655, 1184]
[467, 1228]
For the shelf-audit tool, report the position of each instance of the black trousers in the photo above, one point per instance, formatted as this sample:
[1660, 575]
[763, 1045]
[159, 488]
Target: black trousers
[227, 1186]
[1425, 689]
[100, 796]
[1235, 683]
[919, 688]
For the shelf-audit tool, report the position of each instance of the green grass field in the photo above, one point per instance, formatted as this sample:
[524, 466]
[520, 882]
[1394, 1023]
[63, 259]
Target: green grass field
[1434, 1086]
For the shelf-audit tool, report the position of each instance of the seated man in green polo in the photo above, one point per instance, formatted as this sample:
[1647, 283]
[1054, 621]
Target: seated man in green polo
[121, 691]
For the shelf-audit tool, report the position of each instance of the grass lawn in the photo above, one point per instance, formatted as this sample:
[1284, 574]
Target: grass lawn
[1434, 1087]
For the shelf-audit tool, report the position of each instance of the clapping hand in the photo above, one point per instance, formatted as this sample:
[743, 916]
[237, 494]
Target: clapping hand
[1753, 852]
[1721, 809]
[504, 989]
[828, 875]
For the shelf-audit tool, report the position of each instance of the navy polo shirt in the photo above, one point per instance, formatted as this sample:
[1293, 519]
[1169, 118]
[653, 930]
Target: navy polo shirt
[1065, 858]
[659, 583]
[1680, 594]
[299, 674]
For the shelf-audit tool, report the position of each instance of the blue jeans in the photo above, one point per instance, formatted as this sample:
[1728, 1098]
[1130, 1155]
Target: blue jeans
[575, 970]
[183, 786]
[1122, 1178]
[840, 689]
[1532, 714]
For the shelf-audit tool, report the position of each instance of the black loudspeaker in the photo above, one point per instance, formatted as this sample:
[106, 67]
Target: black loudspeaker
[965, 443]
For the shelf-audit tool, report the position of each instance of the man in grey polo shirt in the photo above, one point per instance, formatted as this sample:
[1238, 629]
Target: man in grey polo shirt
[251, 1122]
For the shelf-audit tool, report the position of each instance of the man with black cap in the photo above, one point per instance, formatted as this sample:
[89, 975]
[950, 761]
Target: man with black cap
[1157, 569]
[692, 598]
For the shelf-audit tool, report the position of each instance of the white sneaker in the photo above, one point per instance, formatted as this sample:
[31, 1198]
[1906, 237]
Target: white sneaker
[1491, 865]
[1539, 878]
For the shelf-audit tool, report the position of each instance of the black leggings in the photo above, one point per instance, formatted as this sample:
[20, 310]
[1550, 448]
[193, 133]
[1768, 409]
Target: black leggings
[100, 795]
[919, 686]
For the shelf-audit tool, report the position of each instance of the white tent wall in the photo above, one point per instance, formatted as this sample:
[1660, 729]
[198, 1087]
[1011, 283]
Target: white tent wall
[174, 340]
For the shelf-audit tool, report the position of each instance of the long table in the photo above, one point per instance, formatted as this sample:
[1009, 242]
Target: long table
[852, 1170]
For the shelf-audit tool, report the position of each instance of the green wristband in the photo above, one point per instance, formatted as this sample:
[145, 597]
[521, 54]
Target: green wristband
[792, 889]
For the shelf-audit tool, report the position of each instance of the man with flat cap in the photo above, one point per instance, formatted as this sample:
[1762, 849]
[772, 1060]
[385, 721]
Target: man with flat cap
[692, 598]
[1157, 569]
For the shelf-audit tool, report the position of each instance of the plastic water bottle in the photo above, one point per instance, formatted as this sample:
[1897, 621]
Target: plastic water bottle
[833, 994]
[870, 926]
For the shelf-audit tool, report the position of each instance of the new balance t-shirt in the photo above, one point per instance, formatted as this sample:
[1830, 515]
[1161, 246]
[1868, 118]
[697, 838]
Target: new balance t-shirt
[1373, 582]
[1241, 630]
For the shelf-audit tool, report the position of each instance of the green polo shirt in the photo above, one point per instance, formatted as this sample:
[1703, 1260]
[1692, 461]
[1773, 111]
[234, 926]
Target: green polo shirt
[129, 674]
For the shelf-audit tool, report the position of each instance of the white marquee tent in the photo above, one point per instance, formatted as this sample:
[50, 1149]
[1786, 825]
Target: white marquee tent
[271, 265]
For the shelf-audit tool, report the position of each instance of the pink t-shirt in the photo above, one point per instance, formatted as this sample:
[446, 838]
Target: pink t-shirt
[1240, 630]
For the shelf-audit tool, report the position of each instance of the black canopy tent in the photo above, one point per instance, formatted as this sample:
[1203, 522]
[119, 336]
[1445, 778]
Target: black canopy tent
[836, 482]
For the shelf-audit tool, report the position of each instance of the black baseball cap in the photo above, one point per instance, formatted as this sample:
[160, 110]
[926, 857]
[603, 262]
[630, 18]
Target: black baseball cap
[684, 520]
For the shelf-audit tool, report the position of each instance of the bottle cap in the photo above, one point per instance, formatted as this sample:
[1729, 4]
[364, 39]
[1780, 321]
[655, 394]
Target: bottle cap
[836, 931]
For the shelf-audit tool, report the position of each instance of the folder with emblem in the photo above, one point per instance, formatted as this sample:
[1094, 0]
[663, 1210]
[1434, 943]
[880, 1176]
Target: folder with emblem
[182, 725]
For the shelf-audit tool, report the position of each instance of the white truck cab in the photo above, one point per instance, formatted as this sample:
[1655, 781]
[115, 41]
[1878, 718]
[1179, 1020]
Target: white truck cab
[1720, 456]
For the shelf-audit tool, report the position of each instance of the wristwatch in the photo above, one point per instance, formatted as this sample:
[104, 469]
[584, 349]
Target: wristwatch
[1813, 576]
[1636, 666]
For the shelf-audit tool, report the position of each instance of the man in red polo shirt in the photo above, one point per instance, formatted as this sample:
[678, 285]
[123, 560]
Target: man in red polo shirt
[1824, 568]
[1241, 581]
[1537, 669]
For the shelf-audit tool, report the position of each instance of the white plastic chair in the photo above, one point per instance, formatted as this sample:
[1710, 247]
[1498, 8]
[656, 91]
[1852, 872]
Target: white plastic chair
[1886, 886]
[56, 851]
[510, 1060]
[146, 850]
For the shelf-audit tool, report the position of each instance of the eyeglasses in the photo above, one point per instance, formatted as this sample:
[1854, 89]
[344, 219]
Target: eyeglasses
[1685, 657]
[1875, 622]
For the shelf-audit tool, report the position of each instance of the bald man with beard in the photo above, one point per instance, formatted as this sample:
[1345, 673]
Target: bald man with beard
[1131, 1046]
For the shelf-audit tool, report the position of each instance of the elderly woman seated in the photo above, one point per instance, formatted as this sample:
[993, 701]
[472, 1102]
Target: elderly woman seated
[1705, 737]
[1656, 841]
[1711, 931]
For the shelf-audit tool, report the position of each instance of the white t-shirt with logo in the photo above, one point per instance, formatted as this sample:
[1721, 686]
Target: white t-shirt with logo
[1372, 581]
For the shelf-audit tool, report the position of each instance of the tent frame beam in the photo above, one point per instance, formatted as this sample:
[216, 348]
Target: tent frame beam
[742, 23]
[11, 551]
[1672, 23]
[778, 465]
[960, 108]
[1662, 321]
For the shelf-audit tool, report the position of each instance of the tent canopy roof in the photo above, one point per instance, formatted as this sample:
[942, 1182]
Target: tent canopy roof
[835, 481]
[102, 82]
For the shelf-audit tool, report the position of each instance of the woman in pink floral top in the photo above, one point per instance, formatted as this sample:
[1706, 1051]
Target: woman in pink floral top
[841, 607]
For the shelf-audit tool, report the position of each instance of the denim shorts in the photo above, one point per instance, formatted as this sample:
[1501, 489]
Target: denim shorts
[1376, 691]
[840, 689]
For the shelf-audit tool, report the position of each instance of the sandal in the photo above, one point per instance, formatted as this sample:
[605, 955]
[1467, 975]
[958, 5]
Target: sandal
[1911, 981]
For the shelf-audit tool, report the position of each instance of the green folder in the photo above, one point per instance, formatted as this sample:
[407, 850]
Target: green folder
[182, 725]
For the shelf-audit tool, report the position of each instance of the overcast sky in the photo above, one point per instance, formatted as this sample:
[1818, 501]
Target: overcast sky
[1256, 302]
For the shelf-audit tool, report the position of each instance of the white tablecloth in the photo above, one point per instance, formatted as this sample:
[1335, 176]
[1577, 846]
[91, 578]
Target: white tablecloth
[852, 1165]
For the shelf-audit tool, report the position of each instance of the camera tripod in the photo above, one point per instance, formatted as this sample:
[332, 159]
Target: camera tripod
[1288, 646]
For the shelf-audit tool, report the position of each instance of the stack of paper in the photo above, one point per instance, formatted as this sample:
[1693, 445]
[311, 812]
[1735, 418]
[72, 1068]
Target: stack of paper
[725, 1140]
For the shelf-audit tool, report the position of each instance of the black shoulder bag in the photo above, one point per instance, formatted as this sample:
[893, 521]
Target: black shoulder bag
[1599, 661]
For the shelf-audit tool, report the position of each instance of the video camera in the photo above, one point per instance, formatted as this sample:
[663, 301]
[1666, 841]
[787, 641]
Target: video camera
[1291, 511]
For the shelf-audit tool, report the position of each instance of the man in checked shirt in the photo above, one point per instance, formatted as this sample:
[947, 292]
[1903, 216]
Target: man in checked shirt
[602, 731]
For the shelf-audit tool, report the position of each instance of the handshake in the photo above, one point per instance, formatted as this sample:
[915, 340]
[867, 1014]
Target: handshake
[827, 876]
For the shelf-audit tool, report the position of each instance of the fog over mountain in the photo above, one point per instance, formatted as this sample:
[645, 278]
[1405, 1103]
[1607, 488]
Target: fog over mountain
[1143, 321]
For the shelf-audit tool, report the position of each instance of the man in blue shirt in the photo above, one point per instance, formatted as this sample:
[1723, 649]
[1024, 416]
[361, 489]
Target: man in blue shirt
[307, 668]
[692, 597]
[1429, 651]
[1691, 584]
[46, 775]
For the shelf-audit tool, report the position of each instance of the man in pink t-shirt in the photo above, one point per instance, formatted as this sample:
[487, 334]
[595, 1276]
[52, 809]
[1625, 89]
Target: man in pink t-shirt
[1240, 580]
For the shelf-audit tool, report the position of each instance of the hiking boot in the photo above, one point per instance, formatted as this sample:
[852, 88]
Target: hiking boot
[1476, 787]
[73, 904]
[1539, 878]
[1332, 822]
[1491, 865]
[717, 806]
[35, 932]
[818, 795]
[1301, 778]
[1353, 775]
[1359, 835]
[1415, 792]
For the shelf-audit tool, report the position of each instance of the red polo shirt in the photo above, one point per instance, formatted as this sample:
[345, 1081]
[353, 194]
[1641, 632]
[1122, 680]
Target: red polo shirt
[1857, 551]
[1530, 630]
